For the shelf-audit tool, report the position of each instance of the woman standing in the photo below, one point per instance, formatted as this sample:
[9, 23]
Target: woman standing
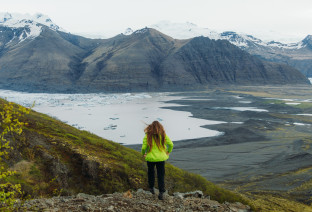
[155, 152]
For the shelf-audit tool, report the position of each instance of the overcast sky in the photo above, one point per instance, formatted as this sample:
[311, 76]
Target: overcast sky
[283, 20]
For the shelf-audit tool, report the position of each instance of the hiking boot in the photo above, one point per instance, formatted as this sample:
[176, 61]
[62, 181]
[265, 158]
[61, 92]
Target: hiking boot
[152, 190]
[161, 196]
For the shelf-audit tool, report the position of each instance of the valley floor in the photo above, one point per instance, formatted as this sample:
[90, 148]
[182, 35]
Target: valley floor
[266, 146]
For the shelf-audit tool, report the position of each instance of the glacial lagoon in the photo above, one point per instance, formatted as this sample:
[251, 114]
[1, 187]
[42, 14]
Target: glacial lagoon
[117, 117]
[122, 117]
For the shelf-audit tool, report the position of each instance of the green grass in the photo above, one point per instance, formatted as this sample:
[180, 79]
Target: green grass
[273, 101]
[114, 168]
[304, 105]
[268, 202]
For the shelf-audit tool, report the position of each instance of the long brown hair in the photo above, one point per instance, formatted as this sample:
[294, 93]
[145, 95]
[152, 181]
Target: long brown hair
[155, 130]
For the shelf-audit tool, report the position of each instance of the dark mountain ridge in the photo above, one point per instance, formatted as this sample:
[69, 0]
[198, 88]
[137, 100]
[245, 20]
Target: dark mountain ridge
[146, 60]
[297, 55]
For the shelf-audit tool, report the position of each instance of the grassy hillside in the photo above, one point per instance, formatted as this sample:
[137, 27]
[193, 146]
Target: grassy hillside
[53, 158]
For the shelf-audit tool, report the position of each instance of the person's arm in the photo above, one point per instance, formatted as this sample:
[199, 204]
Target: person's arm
[144, 145]
[169, 143]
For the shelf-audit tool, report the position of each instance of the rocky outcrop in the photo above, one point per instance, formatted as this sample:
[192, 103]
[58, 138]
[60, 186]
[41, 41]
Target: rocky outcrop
[139, 200]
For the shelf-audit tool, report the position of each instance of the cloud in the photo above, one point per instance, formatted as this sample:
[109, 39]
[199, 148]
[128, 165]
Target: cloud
[102, 16]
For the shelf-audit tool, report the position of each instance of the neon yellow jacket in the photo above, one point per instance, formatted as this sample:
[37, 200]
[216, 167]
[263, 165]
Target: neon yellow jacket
[156, 155]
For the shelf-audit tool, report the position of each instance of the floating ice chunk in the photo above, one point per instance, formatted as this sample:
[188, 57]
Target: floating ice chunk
[238, 97]
[242, 109]
[304, 114]
[111, 127]
[292, 103]
[301, 124]
[288, 100]
[199, 99]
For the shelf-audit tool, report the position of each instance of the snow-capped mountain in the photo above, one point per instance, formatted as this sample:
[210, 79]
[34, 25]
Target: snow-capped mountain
[299, 54]
[247, 41]
[146, 60]
[189, 30]
[184, 30]
[31, 25]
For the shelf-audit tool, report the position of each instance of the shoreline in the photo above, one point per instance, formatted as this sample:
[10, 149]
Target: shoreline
[264, 153]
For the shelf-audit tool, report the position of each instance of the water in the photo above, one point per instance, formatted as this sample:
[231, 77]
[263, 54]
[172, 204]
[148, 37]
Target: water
[242, 109]
[118, 117]
[305, 114]
[292, 103]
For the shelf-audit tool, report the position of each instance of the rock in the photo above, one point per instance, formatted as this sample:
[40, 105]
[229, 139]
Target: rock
[140, 200]
[64, 200]
[178, 195]
[110, 208]
[243, 210]
[86, 207]
[55, 167]
[84, 196]
[196, 194]
[49, 202]
[90, 169]
[141, 192]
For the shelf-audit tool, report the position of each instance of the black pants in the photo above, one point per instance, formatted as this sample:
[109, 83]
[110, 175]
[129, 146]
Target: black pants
[160, 166]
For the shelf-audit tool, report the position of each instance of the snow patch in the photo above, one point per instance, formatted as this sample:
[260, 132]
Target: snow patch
[184, 30]
[32, 24]
[189, 30]
[141, 31]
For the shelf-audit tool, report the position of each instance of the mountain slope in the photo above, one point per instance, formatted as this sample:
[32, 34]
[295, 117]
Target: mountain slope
[127, 62]
[150, 60]
[298, 55]
[51, 157]
[52, 58]
[221, 62]
[146, 60]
